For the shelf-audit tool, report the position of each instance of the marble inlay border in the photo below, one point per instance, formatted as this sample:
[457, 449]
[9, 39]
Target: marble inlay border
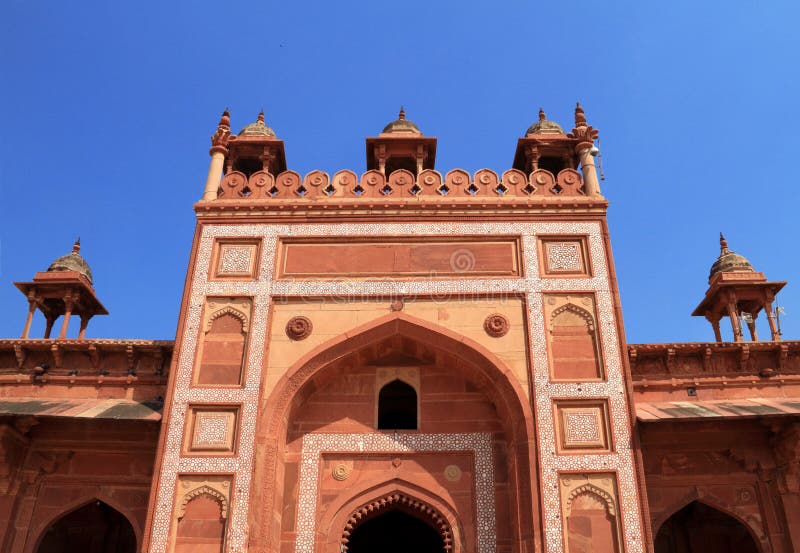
[531, 285]
[314, 445]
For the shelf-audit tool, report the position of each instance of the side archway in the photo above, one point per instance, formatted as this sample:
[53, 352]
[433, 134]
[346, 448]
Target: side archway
[703, 525]
[700, 527]
[92, 526]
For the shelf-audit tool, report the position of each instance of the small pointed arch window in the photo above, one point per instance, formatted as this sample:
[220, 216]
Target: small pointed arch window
[397, 406]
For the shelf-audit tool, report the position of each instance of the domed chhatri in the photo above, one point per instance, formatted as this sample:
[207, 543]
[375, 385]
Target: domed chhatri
[544, 126]
[401, 125]
[729, 262]
[73, 261]
[258, 128]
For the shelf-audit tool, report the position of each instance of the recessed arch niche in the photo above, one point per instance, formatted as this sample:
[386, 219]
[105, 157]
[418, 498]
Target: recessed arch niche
[94, 527]
[701, 527]
[346, 367]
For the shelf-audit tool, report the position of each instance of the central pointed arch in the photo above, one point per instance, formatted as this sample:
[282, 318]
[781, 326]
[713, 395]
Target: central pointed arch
[510, 397]
[397, 502]
[427, 503]
[501, 386]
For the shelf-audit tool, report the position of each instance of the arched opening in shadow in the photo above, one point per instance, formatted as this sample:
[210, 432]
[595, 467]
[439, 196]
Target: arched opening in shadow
[397, 407]
[93, 528]
[698, 528]
[344, 371]
[395, 531]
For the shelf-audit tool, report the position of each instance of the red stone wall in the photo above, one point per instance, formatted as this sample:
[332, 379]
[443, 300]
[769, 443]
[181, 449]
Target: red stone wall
[730, 466]
[70, 462]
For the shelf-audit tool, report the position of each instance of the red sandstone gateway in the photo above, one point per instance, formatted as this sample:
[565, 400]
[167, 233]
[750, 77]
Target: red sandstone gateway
[400, 360]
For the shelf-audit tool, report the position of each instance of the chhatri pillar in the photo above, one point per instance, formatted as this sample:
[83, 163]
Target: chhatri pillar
[546, 147]
[401, 145]
[63, 290]
[256, 149]
[737, 291]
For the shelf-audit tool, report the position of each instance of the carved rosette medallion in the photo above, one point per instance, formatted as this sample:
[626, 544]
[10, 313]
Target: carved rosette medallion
[341, 471]
[496, 325]
[452, 473]
[299, 328]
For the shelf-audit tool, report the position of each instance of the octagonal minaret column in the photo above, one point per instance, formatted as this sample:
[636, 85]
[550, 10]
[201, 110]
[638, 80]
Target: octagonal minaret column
[219, 149]
[586, 152]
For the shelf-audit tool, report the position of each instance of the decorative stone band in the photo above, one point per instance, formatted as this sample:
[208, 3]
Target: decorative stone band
[479, 444]
[430, 184]
[262, 289]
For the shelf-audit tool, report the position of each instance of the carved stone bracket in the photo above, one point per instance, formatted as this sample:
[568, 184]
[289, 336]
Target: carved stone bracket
[20, 354]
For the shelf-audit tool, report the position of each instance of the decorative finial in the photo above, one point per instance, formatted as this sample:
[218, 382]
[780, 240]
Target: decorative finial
[542, 115]
[580, 117]
[402, 114]
[261, 116]
[225, 120]
[219, 141]
[76, 247]
[723, 245]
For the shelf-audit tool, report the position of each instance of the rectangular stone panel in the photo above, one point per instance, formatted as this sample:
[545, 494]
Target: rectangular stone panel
[407, 257]
[563, 256]
[223, 342]
[591, 513]
[234, 259]
[572, 337]
[200, 516]
[582, 426]
[211, 429]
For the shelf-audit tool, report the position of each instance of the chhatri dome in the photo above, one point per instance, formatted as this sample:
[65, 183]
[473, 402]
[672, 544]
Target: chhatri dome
[258, 128]
[401, 125]
[728, 261]
[544, 126]
[73, 261]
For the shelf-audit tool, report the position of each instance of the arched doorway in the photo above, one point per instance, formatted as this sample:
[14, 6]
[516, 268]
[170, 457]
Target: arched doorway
[395, 531]
[699, 528]
[94, 528]
[334, 388]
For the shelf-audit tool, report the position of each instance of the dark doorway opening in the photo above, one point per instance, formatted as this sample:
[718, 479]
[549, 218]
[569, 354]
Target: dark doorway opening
[397, 407]
[698, 528]
[93, 528]
[395, 532]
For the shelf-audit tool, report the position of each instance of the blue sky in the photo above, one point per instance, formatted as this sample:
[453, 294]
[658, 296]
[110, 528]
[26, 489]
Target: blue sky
[108, 109]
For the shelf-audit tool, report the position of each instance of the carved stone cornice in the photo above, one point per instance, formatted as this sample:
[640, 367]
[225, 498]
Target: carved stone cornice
[764, 362]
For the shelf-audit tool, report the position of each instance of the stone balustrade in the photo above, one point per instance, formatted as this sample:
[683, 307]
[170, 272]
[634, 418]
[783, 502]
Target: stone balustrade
[318, 185]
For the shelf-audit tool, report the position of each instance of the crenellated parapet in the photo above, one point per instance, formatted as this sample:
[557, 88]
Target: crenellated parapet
[429, 185]
[548, 164]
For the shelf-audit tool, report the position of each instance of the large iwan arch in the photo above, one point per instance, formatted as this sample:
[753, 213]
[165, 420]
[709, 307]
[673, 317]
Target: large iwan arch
[465, 359]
